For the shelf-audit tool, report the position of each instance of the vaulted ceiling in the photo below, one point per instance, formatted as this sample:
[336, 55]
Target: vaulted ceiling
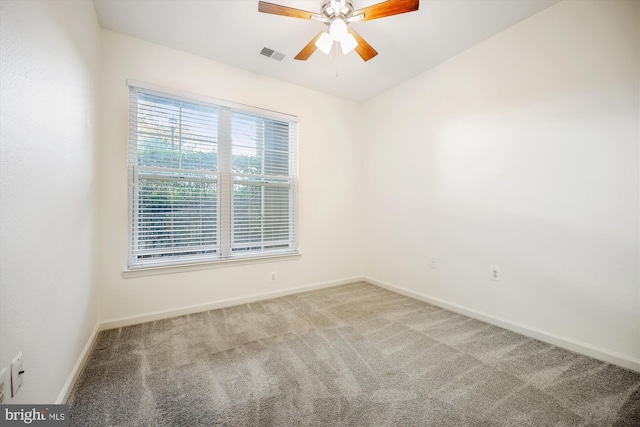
[233, 32]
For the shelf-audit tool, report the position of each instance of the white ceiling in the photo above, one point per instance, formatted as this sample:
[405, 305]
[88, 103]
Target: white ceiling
[233, 32]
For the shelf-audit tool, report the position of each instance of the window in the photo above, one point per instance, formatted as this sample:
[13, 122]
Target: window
[209, 180]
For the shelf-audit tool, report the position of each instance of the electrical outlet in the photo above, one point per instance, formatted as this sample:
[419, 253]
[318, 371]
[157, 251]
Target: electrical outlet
[434, 262]
[273, 276]
[17, 373]
[3, 376]
[495, 274]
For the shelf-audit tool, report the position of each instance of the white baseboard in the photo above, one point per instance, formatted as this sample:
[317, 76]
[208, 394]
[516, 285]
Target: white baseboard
[567, 343]
[165, 314]
[77, 368]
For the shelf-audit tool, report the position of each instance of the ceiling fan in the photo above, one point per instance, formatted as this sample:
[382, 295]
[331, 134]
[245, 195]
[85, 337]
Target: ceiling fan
[337, 15]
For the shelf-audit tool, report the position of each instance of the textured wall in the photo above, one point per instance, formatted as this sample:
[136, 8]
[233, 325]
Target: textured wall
[49, 71]
[522, 153]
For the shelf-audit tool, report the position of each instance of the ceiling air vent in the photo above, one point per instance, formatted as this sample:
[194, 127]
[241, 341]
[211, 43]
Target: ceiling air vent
[270, 53]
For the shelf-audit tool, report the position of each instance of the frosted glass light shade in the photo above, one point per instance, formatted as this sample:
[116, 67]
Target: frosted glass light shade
[338, 29]
[348, 43]
[325, 43]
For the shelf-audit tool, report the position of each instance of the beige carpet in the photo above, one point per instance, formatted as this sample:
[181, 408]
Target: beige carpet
[353, 355]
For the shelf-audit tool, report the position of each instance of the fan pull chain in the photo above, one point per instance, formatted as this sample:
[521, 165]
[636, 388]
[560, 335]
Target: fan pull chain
[336, 55]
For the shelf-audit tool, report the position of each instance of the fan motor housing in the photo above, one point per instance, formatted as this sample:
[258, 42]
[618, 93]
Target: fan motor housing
[345, 12]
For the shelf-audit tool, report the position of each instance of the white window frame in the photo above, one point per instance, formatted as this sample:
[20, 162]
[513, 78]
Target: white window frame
[225, 179]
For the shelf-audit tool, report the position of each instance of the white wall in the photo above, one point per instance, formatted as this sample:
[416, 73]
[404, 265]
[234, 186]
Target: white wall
[329, 221]
[522, 153]
[49, 68]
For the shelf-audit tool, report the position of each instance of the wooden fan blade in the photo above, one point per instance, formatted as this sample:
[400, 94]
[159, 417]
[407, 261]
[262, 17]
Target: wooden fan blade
[387, 8]
[364, 49]
[308, 50]
[277, 9]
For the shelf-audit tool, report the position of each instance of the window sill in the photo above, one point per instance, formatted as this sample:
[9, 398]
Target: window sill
[173, 269]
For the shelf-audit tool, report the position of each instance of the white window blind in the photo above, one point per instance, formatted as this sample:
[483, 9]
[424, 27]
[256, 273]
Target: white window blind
[208, 180]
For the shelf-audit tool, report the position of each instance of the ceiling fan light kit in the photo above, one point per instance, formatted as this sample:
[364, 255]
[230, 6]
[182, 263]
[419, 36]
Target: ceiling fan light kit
[337, 15]
[338, 32]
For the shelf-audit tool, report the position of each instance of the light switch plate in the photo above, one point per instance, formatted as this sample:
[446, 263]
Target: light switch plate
[16, 375]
